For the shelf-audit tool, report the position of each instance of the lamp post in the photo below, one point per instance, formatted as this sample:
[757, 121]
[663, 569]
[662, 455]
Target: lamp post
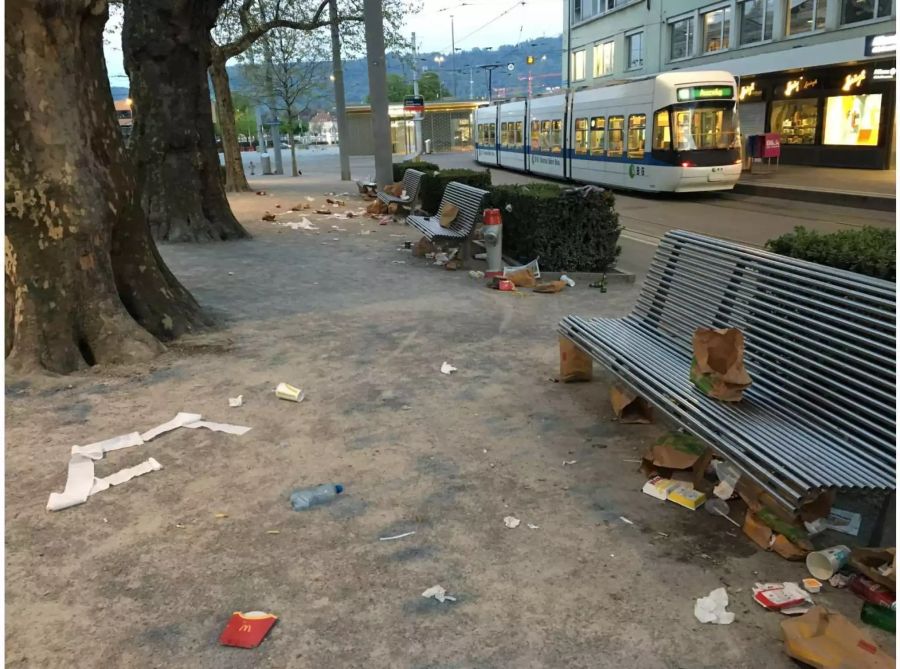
[439, 59]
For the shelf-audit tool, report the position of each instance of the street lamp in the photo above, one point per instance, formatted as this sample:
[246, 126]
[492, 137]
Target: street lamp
[439, 59]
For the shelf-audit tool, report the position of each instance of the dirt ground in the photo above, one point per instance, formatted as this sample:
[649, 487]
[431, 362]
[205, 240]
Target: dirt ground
[146, 574]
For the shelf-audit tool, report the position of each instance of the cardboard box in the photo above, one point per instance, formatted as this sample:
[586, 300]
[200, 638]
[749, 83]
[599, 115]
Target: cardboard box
[687, 497]
[827, 640]
[659, 487]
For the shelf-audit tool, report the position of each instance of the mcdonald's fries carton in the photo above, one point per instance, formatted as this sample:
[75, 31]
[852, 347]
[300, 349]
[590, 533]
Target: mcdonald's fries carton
[247, 630]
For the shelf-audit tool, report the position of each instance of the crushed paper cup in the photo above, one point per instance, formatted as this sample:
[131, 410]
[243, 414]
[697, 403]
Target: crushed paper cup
[286, 391]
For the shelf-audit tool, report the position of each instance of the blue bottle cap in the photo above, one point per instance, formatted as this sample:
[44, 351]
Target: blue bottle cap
[338, 488]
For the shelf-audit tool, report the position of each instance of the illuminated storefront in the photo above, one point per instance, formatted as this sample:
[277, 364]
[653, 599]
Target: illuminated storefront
[836, 116]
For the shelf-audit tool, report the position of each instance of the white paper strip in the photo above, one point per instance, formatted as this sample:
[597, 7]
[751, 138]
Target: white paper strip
[124, 475]
[78, 484]
[96, 450]
[218, 427]
[179, 420]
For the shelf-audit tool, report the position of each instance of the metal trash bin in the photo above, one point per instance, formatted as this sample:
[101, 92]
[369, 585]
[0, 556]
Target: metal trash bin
[265, 164]
[427, 146]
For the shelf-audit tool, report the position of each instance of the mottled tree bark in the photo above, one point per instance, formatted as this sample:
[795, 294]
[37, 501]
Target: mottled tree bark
[235, 179]
[166, 44]
[84, 283]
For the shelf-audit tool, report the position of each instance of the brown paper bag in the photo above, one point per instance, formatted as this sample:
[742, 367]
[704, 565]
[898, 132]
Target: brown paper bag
[422, 247]
[524, 278]
[867, 561]
[770, 540]
[717, 368]
[551, 287]
[825, 639]
[574, 364]
[393, 208]
[628, 407]
[396, 189]
[376, 207]
[449, 214]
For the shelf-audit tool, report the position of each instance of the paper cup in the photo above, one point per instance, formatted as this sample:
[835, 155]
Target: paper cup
[824, 563]
[288, 392]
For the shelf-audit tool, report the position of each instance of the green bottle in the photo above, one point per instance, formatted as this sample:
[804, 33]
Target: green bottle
[603, 283]
[879, 616]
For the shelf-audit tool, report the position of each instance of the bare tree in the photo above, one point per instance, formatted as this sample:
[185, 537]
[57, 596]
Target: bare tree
[291, 77]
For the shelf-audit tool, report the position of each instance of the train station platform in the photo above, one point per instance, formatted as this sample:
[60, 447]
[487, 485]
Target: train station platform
[867, 189]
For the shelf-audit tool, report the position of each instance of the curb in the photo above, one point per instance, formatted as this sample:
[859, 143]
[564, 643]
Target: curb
[872, 201]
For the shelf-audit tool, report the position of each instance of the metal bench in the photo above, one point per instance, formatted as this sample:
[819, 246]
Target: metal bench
[412, 179]
[819, 345]
[469, 200]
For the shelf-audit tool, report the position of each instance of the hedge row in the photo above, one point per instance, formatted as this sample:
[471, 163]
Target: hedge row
[868, 250]
[431, 190]
[421, 165]
[567, 229]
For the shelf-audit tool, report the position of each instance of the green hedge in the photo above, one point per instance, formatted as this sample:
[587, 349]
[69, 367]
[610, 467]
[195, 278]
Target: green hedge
[868, 250]
[567, 229]
[431, 190]
[421, 165]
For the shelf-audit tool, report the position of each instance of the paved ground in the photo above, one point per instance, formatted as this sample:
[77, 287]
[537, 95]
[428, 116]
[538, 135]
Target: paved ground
[878, 182]
[145, 574]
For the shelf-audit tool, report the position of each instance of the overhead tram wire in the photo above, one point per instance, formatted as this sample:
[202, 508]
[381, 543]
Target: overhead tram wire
[487, 23]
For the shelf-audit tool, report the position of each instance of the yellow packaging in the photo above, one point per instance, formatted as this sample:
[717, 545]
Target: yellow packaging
[686, 497]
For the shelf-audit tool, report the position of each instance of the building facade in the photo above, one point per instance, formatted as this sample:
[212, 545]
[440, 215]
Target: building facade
[821, 73]
[447, 124]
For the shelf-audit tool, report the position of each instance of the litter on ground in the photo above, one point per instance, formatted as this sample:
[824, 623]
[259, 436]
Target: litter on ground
[397, 536]
[511, 522]
[439, 593]
[447, 368]
[711, 609]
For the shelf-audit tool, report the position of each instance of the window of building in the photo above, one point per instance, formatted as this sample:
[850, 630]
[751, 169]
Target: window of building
[634, 47]
[853, 11]
[662, 133]
[576, 11]
[852, 120]
[716, 26]
[556, 136]
[616, 134]
[637, 134]
[804, 16]
[795, 120]
[535, 135]
[578, 65]
[581, 135]
[681, 38]
[603, 58]
[598, 136]
[756, 20]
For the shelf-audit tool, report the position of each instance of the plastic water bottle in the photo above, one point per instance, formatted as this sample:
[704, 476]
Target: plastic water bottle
[304, 498]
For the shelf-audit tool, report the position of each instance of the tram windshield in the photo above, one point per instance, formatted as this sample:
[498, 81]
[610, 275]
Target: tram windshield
[704, 126]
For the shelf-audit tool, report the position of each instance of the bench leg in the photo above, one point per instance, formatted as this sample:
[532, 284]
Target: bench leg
[574, 364]
[878, 528]
[465, 252]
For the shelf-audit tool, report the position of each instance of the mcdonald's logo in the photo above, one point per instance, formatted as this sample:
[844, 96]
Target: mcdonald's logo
[244, 628]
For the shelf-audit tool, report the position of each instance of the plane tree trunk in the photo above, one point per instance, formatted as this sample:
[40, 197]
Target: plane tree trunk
[84, 282]
[235, 179]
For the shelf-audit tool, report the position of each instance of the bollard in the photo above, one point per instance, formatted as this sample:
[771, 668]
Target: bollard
[493, 241]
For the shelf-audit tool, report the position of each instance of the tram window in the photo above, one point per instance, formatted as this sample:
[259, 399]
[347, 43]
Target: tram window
[616, 136]
[506, 134]
[598, 136]
[535, 135]
[492, 133]
[556, 136]
[545, 135]
[520, 137]
[662, 133]
[637, 133]
[581, 135]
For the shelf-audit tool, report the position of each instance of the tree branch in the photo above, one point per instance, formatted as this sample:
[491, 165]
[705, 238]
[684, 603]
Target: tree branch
[246, 40]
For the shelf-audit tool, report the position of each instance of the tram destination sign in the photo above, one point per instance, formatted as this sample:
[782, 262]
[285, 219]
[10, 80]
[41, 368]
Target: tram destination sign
[705, 93]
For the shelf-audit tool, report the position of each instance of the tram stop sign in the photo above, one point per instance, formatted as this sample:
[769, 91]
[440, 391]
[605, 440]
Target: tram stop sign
[414, 103]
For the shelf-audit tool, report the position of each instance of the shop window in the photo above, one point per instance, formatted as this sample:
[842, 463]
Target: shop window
[662, 133]
[853, 120]
[756, 20]
[578, 65]
[637, 135]
[854, 11]
[634, 47]
[716, 26]
[616, 134]
[681, 38]
[535, 135]
[795, 120]
[598, 136]
[581, 135]
[804, 16]
[556, 136]
[603, 58]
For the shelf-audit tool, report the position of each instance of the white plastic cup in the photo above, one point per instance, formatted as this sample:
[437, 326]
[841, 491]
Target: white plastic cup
[825, 563]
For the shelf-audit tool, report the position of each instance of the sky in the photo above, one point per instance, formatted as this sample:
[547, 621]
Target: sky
[476, 23]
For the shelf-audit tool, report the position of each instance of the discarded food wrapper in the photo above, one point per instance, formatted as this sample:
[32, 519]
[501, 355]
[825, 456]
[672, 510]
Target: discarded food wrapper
[840, 580]
[568, 281]
[717, 368]
[236, 401]
[812, 585]
[499, 283]
[768, 539]
[711, 609]
[824, 563]
[447, 368]
[532, 526]
[687, 497]
[549, 287]
[628, 407]
[533, 266]
[787, 598]
[522, 278]
[285, 391]
[439, 593]
[574, 364]
[441, 258]
[247, 630]
[659, 487]
[827, 640]
[728, 475]
[511, 522]
[878, 564]
[476, 274]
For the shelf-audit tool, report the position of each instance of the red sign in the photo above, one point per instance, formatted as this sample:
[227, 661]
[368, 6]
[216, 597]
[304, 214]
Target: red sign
[771, 145]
